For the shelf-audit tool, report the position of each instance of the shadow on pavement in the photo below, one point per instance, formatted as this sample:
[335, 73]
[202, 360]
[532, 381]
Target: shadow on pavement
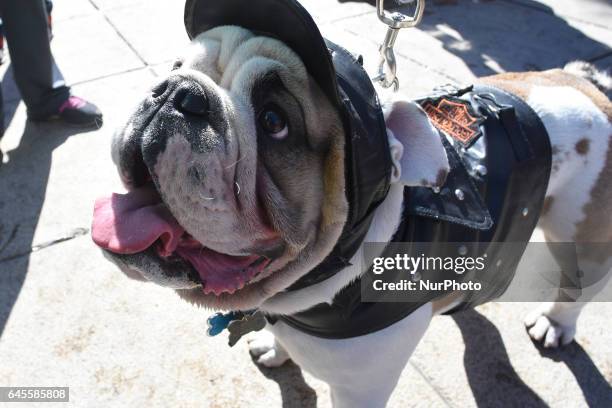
[489, 371]
[11, 96]
[595, 388]
[23, 183]
[509, 36]
[294, 390]
[488, 367]
[500, 35]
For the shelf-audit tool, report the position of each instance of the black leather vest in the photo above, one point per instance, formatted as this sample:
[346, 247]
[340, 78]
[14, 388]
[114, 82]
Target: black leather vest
[514, 148]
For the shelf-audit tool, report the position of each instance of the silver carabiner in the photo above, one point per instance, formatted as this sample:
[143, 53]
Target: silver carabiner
[387, 68]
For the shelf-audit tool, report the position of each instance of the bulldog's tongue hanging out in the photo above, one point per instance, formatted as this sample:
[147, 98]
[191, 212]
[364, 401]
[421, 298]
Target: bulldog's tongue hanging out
[130, 223]
[134, 222]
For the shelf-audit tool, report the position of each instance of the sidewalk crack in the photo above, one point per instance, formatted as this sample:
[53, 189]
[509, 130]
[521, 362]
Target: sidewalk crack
[433, 387]
[121, 36]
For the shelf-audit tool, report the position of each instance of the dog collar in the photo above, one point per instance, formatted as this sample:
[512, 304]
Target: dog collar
[342, 78]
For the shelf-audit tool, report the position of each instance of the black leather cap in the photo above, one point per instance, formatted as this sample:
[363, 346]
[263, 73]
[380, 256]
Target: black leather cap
[285, 20]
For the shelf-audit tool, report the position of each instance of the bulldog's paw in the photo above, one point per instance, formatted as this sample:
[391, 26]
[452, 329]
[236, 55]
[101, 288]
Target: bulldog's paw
[268, 351]
[549, 332]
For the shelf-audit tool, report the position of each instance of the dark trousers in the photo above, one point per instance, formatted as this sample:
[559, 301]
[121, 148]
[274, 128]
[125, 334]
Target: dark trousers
[38, 79]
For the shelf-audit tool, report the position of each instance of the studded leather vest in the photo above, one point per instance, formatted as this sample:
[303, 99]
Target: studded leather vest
[493, 194]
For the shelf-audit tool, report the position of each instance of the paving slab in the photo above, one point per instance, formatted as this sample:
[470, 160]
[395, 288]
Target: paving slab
[114, 4]
[67, 9]
[325, 11]
[88, 47]
[157, 33]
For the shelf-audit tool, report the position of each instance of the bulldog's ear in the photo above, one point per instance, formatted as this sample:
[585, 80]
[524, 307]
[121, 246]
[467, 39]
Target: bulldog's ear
[418, 156]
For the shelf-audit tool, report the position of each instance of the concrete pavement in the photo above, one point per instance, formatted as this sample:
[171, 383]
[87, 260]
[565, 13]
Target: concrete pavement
[68, 318]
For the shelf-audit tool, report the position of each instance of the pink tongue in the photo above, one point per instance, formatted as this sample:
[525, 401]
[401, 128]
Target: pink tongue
[132, 222]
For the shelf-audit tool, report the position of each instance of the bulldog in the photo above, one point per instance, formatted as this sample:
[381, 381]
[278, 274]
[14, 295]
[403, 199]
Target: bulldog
[235, 170]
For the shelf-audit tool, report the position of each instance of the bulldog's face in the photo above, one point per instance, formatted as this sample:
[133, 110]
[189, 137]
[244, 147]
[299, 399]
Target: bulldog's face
[235, 170]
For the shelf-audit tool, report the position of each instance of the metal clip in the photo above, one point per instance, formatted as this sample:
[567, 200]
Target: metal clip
[387, 69]
[489, 101]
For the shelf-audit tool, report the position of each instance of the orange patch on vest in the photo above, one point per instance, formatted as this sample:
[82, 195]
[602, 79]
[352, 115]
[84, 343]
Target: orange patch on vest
[453, 118]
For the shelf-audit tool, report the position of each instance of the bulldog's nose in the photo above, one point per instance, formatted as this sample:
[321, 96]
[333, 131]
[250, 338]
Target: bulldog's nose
[192, 99]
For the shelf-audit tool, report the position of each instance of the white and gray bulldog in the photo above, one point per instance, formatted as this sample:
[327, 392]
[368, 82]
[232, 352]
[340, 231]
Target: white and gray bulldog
[234, 166]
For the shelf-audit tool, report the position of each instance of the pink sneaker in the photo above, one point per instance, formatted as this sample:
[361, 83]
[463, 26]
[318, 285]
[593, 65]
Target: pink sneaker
[77, 111]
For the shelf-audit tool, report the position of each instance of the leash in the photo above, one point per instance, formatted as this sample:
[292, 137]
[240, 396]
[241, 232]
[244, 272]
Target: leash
[395, 21]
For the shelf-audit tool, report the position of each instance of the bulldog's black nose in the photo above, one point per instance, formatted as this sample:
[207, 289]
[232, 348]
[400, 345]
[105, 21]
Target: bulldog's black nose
[192, 99]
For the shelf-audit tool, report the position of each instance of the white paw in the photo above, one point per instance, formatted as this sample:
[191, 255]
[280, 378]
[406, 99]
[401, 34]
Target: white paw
[273, 358]
[269, 352]
[260, 342]
[551, 334]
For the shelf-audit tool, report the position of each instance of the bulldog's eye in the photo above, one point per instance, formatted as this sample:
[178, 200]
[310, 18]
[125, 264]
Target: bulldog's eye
[272, 120]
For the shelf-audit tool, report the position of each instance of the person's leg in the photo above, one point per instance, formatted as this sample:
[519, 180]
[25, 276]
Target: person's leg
[1, 122]
[25, 28]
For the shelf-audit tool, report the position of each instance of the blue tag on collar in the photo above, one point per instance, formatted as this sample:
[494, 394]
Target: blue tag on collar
[219, 322]
[237, 324]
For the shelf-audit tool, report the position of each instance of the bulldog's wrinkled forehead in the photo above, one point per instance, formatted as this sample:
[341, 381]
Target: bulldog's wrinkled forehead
[231, 54]
[237, 60]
